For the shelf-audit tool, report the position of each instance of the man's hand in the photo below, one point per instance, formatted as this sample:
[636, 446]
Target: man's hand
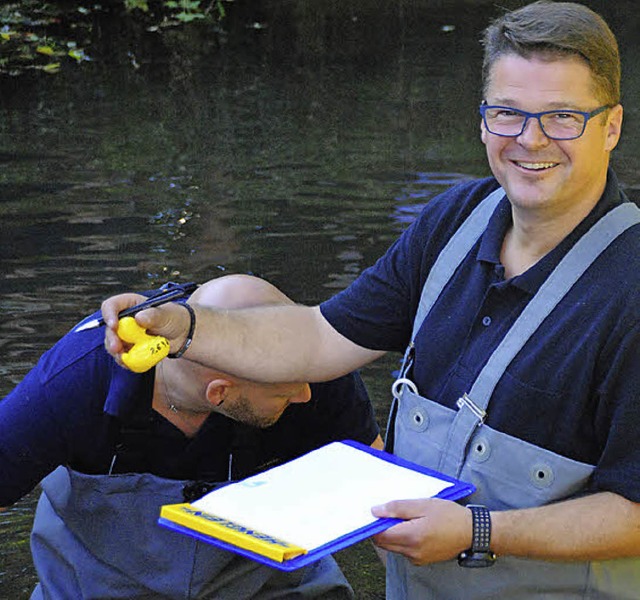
[435, 530]
[169, 320]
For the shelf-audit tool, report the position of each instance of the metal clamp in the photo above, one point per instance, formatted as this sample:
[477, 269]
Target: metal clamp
[465, 401]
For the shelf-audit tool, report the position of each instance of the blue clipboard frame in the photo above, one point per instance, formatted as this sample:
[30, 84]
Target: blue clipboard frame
[458, 489]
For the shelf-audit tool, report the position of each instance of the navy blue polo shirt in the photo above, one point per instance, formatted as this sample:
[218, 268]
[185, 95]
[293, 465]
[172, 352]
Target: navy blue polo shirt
[78, 408]
[573, 389]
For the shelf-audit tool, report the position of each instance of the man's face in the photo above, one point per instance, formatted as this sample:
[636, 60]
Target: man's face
[261, 405]
[555, 177]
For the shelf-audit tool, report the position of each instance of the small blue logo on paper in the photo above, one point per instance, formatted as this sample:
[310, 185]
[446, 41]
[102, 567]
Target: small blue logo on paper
[253, 484]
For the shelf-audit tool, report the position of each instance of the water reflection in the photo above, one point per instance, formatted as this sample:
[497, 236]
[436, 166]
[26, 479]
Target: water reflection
[298, 152]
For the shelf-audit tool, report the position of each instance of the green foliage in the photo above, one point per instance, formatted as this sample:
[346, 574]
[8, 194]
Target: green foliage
[189, 10]
[143, 5]
[47, 37]
[27, 41]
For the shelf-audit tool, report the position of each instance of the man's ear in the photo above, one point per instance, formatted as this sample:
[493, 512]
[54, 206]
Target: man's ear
[614, 127]
[217, 391]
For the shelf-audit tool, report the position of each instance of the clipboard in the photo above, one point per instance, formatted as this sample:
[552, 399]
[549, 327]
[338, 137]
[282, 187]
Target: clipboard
[267, 547]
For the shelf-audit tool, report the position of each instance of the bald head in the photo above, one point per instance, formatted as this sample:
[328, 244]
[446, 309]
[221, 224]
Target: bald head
[237, 291]
[203, 389]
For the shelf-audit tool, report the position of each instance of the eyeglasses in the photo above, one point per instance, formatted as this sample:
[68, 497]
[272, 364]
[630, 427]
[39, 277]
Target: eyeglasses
[555, 124]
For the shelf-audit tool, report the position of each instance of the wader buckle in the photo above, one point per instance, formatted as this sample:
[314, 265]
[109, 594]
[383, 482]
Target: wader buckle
[465, 401]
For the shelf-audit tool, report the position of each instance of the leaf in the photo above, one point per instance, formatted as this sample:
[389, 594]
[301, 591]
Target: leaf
[141, 4]
[78, 54]
[188, 17]
[51, 68]
[46, 50]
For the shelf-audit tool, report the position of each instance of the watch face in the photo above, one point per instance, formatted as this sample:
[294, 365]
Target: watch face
[476, 559]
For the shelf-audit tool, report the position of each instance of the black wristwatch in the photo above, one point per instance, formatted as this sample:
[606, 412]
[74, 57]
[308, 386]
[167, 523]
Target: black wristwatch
[479, 555]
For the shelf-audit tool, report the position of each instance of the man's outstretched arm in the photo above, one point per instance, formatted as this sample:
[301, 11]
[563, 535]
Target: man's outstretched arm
[271, 344]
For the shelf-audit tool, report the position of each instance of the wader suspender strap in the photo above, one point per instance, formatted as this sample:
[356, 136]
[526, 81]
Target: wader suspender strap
[473, 405]
[453, 254]
[447, 262]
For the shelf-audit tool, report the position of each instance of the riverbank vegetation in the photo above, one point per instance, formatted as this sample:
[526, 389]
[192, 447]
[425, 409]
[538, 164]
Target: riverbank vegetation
[52, 36]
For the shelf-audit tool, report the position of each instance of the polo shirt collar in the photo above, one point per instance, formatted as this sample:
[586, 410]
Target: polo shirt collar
[531, 280]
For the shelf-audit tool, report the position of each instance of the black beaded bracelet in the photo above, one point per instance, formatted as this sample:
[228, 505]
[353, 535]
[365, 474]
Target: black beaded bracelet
[192, 328]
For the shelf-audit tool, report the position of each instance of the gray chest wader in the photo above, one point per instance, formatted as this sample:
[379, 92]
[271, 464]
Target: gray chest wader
[96, 536]
[508, 473]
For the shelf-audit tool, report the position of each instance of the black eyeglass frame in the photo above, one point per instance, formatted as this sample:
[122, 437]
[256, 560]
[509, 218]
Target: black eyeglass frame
[529, 115]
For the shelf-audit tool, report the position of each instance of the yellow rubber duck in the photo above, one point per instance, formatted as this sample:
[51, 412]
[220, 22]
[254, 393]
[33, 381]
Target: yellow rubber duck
[147, 351]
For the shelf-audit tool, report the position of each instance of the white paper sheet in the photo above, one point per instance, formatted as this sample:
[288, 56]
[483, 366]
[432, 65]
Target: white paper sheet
[320, 496]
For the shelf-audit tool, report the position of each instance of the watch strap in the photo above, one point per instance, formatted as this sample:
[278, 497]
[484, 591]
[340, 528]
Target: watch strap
[479, 555]
[481, 540]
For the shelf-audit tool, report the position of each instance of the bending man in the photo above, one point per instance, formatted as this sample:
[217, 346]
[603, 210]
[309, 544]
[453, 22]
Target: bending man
[113, 446]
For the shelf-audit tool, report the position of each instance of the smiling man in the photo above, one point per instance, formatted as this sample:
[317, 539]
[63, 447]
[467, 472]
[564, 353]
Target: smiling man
[516, 302]
[549, 130]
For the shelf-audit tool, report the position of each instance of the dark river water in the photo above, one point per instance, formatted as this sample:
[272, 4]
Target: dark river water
[296, 147]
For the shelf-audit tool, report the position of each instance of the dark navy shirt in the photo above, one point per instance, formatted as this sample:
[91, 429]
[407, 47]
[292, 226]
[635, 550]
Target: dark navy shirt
[78, 408]
[573, 389]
